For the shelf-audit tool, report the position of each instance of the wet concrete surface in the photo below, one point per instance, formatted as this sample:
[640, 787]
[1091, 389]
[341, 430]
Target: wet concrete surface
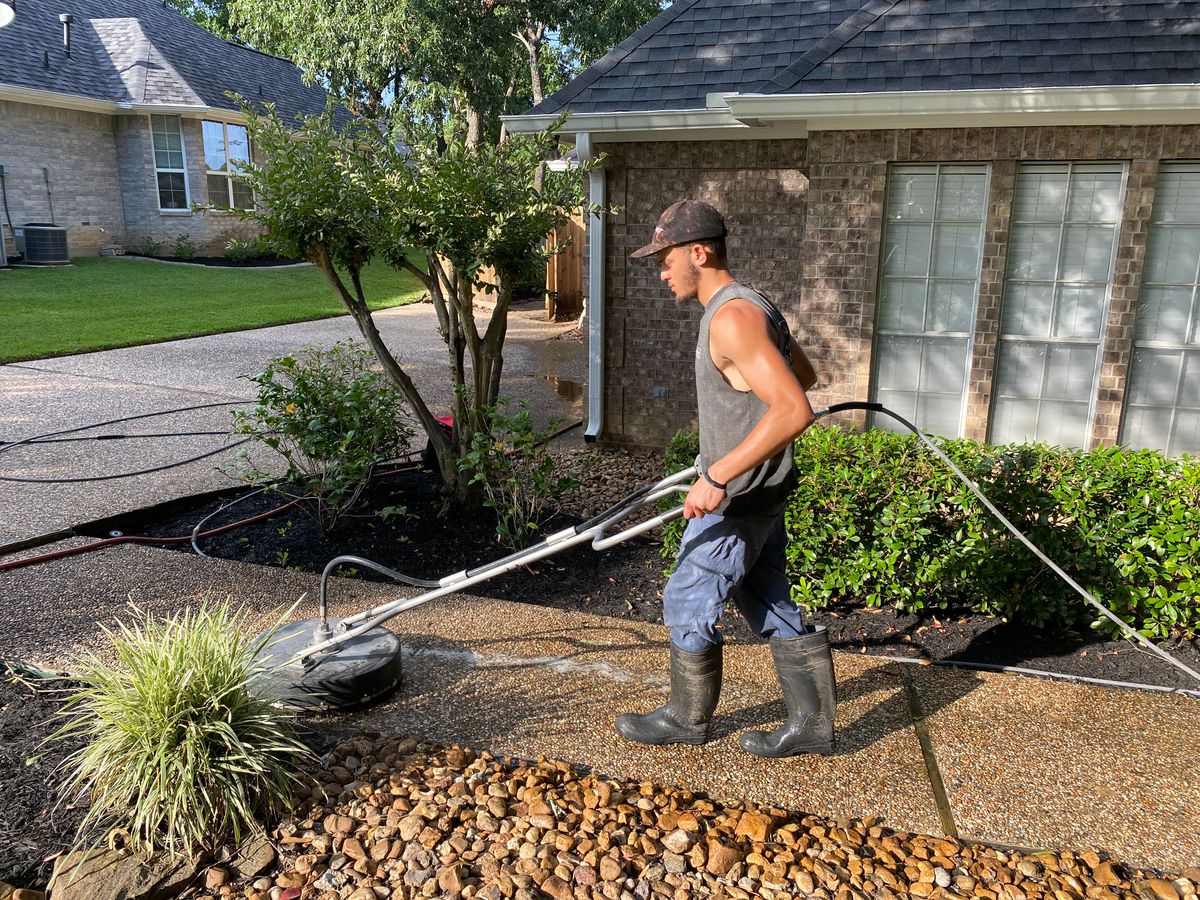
[52, 395]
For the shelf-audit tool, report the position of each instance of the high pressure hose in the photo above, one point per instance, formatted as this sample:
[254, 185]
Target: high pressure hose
[58, 436]
[1131, 632]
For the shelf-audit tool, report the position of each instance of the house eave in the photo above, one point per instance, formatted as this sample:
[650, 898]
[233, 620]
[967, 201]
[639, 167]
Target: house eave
[748, 116]
[1160, 104]
[36, 97]
[114, 107]
[654, 125]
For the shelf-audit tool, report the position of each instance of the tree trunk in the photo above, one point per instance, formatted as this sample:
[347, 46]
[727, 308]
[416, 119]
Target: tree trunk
[356, 305]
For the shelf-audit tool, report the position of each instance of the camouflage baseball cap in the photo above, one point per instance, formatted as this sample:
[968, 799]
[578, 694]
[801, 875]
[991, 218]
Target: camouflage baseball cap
[682, 223]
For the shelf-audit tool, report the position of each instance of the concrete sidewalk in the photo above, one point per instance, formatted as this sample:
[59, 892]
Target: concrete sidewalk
[52, 395]
[995, 758]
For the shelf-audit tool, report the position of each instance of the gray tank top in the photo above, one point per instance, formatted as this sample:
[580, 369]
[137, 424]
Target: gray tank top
[727, 415]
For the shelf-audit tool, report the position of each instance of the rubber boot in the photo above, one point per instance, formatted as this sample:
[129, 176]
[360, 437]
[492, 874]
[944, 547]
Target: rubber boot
[805, 668]
[695, 687]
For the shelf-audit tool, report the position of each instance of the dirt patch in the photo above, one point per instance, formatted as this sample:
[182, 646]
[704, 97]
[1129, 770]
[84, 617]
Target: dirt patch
[33, 829]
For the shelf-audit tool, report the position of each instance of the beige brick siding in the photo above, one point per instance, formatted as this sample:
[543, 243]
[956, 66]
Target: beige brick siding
[209, 231]
[805, 218]
[102, 180]
[79, 150]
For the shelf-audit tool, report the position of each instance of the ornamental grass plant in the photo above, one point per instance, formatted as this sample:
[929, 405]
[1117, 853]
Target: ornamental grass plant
[180, 754]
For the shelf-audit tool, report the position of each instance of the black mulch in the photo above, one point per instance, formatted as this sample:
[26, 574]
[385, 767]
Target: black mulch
[226, 263]
[33, 826]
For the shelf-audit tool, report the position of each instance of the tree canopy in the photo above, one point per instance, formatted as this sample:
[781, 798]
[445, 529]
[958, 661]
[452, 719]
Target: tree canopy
[454, 65]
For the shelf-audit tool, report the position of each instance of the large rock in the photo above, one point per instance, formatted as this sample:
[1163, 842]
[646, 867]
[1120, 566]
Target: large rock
[116, 875]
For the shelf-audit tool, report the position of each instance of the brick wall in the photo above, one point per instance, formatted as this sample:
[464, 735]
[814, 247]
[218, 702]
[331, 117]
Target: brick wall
[102, 180]
[649, 362]
[209, 231]
[805, 219]
[79, 150]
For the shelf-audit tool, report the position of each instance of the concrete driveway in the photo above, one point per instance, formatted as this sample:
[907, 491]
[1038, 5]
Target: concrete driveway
[52, 395]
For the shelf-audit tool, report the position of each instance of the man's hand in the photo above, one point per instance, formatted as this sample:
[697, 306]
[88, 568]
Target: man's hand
[702, 498]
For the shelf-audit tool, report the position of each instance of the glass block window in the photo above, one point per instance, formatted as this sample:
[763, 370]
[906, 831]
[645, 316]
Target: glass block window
[928, 290]
[170, 163]
[1162, 401]
[1062, 241]
[226, 148]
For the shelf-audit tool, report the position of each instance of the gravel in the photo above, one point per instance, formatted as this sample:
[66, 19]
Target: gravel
[396, 817]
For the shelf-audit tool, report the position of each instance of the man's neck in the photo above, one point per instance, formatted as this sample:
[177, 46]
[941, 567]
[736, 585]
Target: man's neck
[711, 281]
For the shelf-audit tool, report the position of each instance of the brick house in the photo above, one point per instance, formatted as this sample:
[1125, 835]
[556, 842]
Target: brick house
[123, 110]
[983, 213]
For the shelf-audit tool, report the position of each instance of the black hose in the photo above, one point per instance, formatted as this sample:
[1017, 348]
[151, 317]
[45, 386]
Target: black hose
[50, 436]
[7, 214]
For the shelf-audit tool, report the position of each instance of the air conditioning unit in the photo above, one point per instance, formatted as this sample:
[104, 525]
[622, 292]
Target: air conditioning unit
[41, 243]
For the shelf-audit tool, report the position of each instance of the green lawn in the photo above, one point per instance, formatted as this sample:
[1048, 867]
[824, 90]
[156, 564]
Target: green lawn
[98, 304]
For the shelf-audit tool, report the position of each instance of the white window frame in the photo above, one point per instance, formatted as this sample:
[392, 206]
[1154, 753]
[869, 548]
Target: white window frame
[929, 278]
[227, 173]
[1002, 338]
[1183, 346]
[187, 188]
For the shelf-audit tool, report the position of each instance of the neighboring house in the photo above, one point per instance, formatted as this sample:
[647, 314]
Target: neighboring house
[123, 109]
[983, 213]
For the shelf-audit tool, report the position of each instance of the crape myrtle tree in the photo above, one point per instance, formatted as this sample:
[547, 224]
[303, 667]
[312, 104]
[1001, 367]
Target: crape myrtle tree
[343, 199]
[426, 181]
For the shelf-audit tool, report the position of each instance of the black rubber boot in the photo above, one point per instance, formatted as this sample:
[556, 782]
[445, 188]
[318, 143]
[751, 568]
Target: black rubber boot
[695, 687]
[805, 667]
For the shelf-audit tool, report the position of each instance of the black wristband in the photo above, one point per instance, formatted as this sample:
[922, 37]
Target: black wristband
[716, 484]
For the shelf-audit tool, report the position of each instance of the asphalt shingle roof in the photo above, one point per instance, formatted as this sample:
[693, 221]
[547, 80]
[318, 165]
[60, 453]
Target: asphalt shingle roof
[859, 46]
[141, 51]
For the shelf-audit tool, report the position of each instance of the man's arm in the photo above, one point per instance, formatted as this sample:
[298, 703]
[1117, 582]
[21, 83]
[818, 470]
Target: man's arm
[801, 367]
[740, 339]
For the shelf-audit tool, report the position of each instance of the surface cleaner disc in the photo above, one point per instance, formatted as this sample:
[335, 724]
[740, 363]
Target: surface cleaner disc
[362, 671]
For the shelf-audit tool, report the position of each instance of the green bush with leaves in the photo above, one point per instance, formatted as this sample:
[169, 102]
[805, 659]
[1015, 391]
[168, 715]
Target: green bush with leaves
[878, 520]
[179, 752]
[333, 416]
[241, 249]
[185, 247]
[511, 464]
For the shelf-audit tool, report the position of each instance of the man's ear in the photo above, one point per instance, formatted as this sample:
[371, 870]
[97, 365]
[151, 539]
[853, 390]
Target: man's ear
[699, 254]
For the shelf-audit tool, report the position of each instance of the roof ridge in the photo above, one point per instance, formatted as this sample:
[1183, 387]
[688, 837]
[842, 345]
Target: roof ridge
[610, 59]
[850, 27]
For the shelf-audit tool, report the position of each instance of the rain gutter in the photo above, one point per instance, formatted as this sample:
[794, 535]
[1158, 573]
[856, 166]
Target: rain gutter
[1146, 104]
[595, 300]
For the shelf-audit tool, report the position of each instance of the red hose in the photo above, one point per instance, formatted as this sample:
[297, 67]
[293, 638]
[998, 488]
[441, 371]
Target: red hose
[141, 539]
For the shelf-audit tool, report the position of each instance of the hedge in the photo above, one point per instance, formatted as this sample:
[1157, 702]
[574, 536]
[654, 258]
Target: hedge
[877, 519]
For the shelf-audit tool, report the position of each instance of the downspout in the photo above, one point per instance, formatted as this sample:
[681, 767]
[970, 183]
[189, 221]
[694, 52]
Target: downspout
[595, 299]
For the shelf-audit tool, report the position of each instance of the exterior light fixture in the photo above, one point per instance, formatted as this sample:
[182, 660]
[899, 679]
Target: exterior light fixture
[8, 12]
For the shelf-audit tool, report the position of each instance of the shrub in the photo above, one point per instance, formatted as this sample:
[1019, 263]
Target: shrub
[241, 249]
[680, 454]
[333, 417]
[185, 247]
[877, 519]
[146, 246]
[511, 464]
[179, 754]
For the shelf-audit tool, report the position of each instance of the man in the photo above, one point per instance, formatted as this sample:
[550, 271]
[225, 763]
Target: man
[751, 379]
